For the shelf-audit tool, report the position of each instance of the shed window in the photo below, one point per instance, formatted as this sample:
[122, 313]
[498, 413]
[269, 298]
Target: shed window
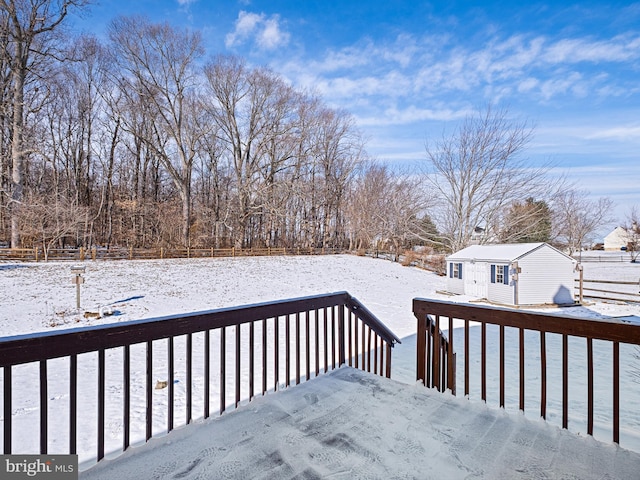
[455, 270]
[500, 274]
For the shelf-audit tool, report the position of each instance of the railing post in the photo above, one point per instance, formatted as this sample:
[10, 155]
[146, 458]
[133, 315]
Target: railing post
[7, 410]
[453, 368]
[388, 371]
[421, 348]
[341, 336]
[438, 349]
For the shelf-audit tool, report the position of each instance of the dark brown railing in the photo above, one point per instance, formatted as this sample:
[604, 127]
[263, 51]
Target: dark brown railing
[582, 332]
[438, 366]
[297, 339]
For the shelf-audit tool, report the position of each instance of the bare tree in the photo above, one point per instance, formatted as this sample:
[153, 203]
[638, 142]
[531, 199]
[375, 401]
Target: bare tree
[5, 122]
[30, 28]
[384, 208]
[252, 109]
[477, 172]
[161, 66]
[576, 218]
[632, 226]
[49, 219]
[338, 152]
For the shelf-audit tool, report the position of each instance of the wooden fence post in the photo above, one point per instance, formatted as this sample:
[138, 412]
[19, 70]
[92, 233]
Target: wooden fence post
[94, 253]
[82, 253]
[35, 253]
[130, 253]
[581, 283]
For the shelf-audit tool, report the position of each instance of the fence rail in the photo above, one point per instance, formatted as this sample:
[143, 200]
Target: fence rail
[625, 291]
[582, 332]
[297, 339]
[623, 258]
[38, 254]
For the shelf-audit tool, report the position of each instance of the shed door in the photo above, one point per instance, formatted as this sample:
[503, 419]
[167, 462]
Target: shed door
[475, 283]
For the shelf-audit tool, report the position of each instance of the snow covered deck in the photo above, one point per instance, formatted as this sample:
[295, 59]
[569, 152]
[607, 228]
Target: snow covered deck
[352, 424]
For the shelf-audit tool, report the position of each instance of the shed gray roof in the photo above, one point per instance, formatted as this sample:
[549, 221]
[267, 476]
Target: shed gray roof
[505, 252]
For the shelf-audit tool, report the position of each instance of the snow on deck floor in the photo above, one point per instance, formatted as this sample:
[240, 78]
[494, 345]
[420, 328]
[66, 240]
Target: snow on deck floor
[352, 424]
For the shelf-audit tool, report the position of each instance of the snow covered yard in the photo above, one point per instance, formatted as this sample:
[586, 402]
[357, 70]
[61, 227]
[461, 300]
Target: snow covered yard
[40, 297]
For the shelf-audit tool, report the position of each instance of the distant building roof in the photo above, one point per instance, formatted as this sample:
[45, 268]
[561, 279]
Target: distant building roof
[619, 237]
[506, 252]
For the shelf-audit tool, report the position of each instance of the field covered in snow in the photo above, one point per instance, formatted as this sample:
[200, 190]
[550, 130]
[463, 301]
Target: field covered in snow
[40, 297]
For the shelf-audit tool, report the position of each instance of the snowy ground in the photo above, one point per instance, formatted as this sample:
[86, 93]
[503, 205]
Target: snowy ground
[40, 297]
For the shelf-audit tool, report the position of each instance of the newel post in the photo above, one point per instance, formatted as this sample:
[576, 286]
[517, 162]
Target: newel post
[421, 348]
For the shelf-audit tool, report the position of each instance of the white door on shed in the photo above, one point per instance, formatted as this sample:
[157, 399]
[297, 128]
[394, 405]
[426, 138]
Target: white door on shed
[475, 280]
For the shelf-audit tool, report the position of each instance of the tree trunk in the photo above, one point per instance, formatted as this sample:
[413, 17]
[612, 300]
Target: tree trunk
[17, 153]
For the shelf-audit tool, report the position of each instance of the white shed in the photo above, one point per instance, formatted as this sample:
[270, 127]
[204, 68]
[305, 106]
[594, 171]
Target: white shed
[513, 274]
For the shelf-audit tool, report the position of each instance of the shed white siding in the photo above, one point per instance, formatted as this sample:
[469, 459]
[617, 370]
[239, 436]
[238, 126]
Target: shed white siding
[499, 292]
[546, 276]
[531, 274]
[455, 284]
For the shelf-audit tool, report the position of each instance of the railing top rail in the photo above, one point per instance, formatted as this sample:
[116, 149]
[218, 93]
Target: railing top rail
[373, 321]
[39, 346]
[602, 329]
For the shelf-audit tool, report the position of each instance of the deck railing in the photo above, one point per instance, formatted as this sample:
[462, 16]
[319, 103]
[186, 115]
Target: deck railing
[436, 366]
[556, 337]
[215, 353]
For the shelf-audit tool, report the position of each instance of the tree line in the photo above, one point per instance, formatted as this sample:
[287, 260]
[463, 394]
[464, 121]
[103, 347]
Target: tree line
[144, 140]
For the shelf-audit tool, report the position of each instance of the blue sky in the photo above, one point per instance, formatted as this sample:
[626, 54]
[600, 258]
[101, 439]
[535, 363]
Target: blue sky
[409, 70]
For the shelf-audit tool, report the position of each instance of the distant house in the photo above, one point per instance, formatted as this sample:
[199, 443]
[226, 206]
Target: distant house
[513, 274]
[617, 239]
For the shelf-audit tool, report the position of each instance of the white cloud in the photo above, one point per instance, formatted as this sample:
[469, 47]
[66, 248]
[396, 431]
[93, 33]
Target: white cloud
[625, 133]
[265, 31]
[618, 49]
[413, 70]
[271, 35]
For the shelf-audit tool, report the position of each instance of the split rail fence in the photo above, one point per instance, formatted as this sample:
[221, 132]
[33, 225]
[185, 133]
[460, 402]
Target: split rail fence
[37, 254]
[615, 290]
